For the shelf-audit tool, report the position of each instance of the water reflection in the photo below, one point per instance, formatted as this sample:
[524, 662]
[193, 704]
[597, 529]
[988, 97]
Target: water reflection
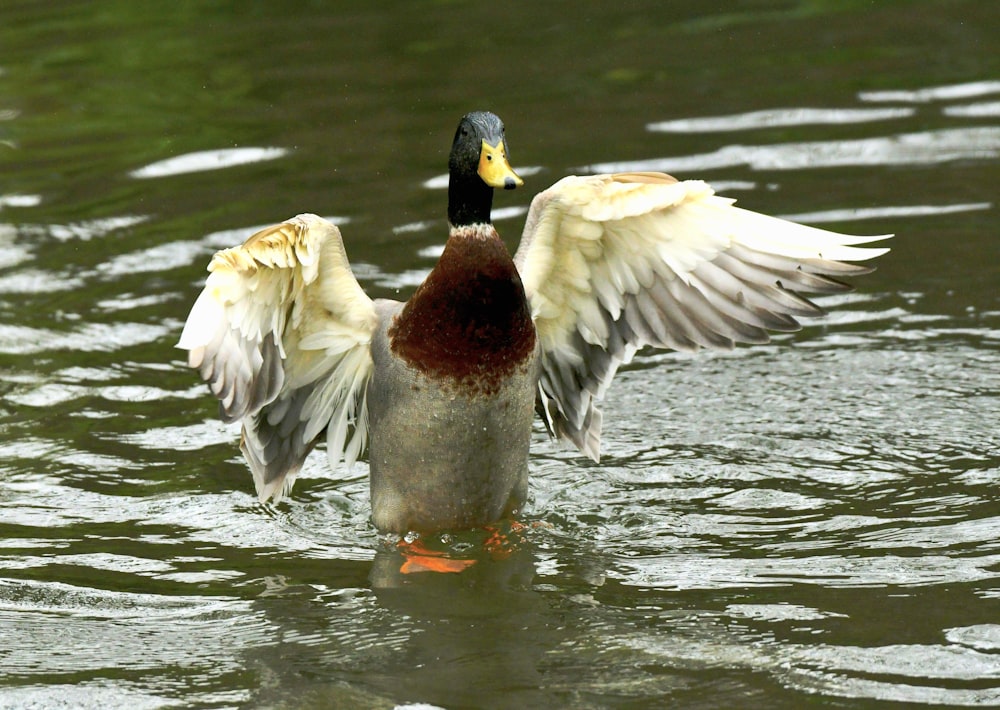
[950, 92]
[987, 109]
[207, 160]
[924, 148]
[775, 118]
[858, 213]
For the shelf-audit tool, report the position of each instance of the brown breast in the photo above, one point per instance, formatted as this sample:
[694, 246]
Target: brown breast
[469, 321]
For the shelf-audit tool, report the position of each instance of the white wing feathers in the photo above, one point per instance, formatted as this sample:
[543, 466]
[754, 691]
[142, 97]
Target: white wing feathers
[611, 263]
[281, 335]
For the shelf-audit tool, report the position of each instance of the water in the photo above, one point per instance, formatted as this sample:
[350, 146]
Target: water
[811, 522]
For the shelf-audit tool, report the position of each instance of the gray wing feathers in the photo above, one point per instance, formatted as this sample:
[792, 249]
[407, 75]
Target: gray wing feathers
[273, 440]
[241, 373]
[281, 334]
[690, 272]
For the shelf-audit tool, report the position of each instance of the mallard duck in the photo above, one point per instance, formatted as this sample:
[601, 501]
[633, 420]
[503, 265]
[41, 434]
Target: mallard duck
[443, 389]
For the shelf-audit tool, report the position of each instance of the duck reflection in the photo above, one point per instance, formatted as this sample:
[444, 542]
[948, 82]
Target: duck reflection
[479, 631]
[407, 628]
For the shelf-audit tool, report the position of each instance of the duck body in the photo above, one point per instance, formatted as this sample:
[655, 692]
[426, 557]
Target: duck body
[443, 389]
[452, 395]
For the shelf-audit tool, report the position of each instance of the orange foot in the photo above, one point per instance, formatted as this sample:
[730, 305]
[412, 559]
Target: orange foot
[502, 543]
[419, 559]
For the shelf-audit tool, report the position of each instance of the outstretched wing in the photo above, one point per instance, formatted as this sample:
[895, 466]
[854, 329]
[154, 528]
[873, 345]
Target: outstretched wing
[281, 335]
[611, 263]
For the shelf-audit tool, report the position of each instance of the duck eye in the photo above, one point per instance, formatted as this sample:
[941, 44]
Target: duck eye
[489, 157]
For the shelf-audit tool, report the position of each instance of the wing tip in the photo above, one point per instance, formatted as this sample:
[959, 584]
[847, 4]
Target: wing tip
[271, 486]
[274, 491]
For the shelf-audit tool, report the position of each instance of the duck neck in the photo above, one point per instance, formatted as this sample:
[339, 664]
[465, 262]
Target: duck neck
[469, 201]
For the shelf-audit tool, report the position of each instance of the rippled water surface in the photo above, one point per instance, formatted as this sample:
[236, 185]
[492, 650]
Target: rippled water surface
[810, 522]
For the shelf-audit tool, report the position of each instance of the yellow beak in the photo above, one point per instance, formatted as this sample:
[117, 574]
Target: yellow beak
[494, 168]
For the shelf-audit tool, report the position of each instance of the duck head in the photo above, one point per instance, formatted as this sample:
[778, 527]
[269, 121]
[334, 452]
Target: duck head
[477, 164]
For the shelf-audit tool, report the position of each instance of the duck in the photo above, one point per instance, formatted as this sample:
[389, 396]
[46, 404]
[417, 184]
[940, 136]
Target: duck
[441, 391]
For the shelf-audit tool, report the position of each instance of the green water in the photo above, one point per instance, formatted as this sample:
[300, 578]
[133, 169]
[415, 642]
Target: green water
[813, 522]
